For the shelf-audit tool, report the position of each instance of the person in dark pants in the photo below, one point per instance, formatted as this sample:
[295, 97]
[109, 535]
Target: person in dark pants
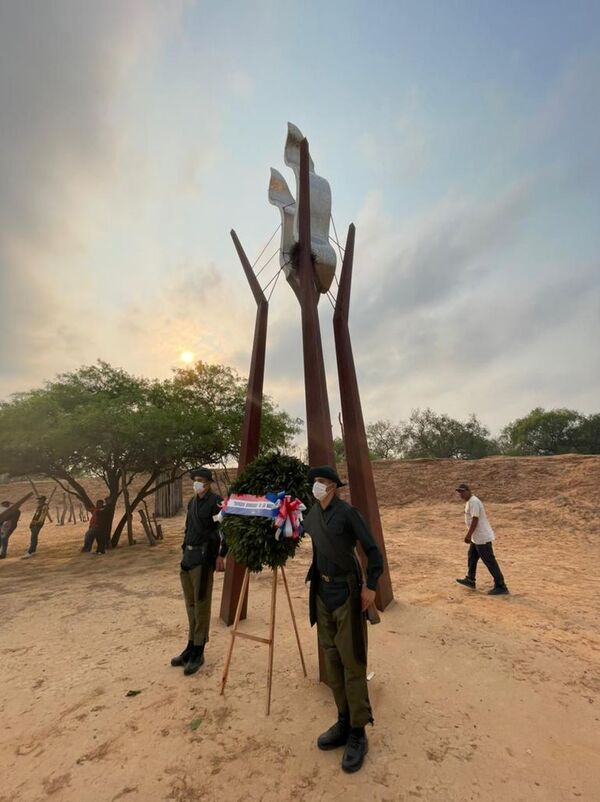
[7, 528]
[35, 527]
[94, 531]
[479, 537]
[204, 551]
[338, 602]
[104, 519]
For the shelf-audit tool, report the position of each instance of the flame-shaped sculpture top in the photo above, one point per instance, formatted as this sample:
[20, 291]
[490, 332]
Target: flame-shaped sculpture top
[320, 216]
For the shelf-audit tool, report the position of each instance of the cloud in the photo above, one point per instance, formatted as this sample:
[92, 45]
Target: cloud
[192, 308]
[450, 301]
[429, 260]
[241, 84]
[62, 67]
[402, 146]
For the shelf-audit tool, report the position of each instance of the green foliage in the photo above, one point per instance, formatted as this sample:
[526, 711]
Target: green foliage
[556, 431]
[251, 540]
[386, 440]
[430, 435]
[339, 449]
[588, 435]
[101, 421]
[220, 392]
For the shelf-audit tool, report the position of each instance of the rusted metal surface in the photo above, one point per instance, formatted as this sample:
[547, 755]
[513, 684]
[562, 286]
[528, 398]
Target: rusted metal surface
[250, 440]
[360, 473]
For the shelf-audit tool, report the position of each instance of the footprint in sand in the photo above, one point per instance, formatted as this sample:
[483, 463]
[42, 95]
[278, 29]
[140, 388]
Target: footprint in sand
[52, 785]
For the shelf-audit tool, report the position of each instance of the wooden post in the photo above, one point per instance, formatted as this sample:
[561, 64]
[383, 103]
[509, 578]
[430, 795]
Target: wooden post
[289, 598]
[157, 527]
[72, 518]
[168, 497]
[149, 520]
[238, 613]
[270, 641]
[147, 528]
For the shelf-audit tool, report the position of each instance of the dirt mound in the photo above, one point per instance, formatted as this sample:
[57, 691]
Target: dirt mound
[495, 479]
[565, 478]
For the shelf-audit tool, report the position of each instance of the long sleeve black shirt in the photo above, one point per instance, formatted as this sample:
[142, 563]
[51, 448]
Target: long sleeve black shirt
[345, 521]
[200, 526]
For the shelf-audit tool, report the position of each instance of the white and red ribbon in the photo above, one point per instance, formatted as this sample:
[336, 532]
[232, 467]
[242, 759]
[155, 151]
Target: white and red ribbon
[285, 511]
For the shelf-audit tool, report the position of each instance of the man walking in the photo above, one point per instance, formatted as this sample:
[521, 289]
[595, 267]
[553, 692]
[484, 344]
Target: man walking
[338, 602]
[8, 527]
[479, 537]
[203, 553]
[35, 527]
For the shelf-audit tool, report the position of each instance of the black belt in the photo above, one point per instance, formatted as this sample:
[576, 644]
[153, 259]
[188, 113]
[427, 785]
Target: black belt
[340, 578]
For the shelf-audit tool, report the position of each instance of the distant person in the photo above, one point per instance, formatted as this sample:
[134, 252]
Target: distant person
[203, 553]
[94, 532]
[104, 521]
[7, 527]
[35, 527]
[479, 537]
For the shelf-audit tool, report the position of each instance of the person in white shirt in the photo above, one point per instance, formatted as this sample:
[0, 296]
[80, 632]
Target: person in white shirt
[479, 537]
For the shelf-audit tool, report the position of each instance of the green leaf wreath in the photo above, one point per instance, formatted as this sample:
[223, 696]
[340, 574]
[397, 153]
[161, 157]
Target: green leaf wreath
[251, 540]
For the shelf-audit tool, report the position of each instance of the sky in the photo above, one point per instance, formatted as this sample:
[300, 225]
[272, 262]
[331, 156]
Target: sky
[460, 137]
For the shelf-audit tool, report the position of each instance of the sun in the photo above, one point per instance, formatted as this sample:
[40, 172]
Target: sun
[187, 357]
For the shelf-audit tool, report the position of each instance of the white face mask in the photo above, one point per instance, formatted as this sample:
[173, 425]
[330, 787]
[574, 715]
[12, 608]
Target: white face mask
[319, 490]
[199, 487]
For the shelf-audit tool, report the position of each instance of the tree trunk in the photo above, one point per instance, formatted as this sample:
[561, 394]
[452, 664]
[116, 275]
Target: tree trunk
[133, 504]
[79, 489]
[127, 506]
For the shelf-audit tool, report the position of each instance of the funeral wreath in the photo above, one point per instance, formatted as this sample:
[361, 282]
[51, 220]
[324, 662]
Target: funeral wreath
[261, 517]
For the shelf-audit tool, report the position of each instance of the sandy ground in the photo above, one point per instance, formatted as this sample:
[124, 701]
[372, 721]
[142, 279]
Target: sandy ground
[475, 698]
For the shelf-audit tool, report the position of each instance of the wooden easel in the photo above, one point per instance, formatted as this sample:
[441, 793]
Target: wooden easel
[270, 641]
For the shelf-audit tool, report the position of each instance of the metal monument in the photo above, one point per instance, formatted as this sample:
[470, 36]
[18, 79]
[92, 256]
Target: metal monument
[308, 261]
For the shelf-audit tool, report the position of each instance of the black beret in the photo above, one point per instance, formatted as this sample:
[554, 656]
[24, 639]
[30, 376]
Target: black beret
[326, 472]
[201, 473]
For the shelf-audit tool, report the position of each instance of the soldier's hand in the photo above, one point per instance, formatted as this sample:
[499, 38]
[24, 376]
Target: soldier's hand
[367, 597]
[467, 538]
[220, 566]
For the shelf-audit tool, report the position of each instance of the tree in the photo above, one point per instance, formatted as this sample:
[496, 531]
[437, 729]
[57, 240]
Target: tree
[431, 435]
[100, 421]
[339, 449]
[386, 440]
[588, 435]
[543, 433]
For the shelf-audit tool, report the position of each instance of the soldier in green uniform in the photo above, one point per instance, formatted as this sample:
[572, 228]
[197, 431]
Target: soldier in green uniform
[203, 553]
[338, 602]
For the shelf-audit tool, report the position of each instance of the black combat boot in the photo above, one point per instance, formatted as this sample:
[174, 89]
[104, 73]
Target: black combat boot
[467, 582]
[336, 735]
[195, 660]
[356, 749]
[182, 658]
